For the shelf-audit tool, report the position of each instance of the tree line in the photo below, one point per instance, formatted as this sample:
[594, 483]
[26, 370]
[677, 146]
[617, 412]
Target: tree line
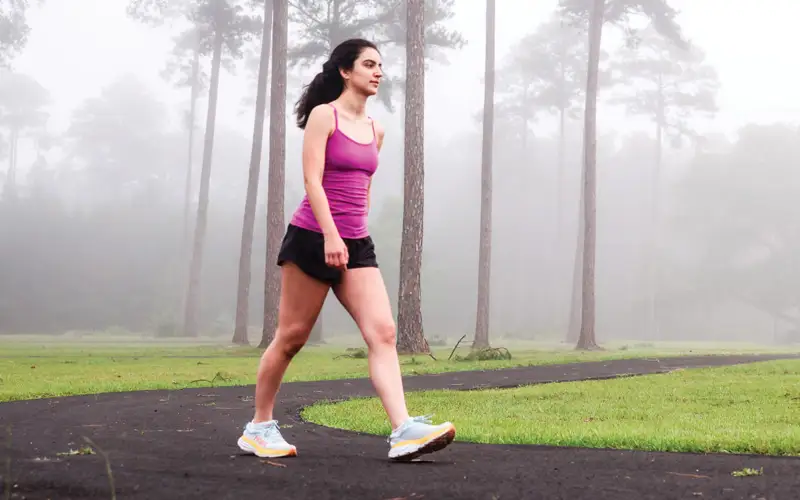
[559, 69]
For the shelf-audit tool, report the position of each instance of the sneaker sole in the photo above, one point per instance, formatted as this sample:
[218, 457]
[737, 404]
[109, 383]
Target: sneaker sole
[436, 443]
[245, 446]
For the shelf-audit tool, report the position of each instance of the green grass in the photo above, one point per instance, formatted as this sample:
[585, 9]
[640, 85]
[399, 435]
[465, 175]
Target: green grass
[739, 409]
[47, 366]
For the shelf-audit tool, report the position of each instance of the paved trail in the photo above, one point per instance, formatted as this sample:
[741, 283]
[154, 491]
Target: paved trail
[182, 444]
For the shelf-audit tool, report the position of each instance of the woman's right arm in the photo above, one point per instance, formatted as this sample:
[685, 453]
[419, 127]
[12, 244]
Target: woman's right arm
[318, 128]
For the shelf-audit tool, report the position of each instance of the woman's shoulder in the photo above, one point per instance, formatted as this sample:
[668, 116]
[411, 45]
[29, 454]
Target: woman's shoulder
[322, 111]
[322, 117]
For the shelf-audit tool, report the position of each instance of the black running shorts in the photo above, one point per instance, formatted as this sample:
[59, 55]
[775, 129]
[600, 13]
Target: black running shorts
[306, 249]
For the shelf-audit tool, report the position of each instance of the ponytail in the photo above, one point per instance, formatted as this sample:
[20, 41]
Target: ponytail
[328, 84]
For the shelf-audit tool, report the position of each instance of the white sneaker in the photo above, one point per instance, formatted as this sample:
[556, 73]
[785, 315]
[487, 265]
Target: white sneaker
[264, 440]
[416, 436]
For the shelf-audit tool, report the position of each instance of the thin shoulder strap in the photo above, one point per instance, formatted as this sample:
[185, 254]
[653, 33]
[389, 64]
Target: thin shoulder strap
[374, 134]
[335, 115]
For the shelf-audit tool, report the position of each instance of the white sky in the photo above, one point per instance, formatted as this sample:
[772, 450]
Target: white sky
[74, 51]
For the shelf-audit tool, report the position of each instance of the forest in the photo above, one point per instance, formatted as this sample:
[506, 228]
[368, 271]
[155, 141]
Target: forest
[541, 218]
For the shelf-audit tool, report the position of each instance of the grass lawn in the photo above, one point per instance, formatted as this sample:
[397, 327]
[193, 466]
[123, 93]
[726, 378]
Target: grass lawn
[46, 367]
[750, 408]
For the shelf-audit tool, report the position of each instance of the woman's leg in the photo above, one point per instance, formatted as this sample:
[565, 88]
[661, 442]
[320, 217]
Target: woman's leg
[301, 301]
[363, 293]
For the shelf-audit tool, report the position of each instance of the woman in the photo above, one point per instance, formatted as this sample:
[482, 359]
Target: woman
[327, 245]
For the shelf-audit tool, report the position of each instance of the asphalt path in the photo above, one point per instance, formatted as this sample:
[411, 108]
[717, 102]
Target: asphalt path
[182, 444]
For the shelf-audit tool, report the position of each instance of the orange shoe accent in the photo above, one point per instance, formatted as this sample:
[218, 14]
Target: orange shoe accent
[450, 429]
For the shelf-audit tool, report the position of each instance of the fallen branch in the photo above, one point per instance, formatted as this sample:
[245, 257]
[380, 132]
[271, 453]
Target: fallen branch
[456, 347]
[274, 464]
[219, 376]
[695, 476]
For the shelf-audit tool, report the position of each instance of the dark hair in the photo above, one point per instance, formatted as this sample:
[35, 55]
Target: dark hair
[328, 84]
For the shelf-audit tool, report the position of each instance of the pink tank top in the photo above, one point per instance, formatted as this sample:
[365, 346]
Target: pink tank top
[349, 166]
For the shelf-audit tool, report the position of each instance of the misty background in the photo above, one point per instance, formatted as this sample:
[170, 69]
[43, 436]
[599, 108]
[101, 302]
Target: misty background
[91, 215]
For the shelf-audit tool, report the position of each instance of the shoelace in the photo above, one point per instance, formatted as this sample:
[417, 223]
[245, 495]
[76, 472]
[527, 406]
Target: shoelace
[424, 419]
[270, 429]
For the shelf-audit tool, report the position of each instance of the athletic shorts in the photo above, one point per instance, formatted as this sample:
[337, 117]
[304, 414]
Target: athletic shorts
[306, 249]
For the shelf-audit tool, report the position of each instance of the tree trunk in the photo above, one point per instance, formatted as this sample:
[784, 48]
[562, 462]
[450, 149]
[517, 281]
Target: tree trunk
[185, 256]
[335, 24]
[277, 166]
[10, 188]
[562, 138]
[652, 328]
[485, 255]
[561, 262]
[587, 334]
[574, 325]
[190, 324]
[248, 226]
[562, 152]
[187, 189]
[525, 117]
[410, 337]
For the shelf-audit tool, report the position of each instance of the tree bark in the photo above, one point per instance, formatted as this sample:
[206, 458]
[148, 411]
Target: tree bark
[10, 188]
[277, 165]
[190, 325]
[187, 189]
[652, 327]
[248, 225]
[574, 325]
[410, 337]
[181, 292]
[485, 255]
[560, 263]
[562, 138]
[586, 339]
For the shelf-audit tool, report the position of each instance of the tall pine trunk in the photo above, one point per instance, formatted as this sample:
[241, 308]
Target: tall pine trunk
[248, 225]
[574, 320]
[485, 255]
[410, 337]
[586, 339]
[187, 188]
[10, 187]
[190, 322]
[561, 263]
[562, 141]
[652, 327]
[182, 271]
[277, 166]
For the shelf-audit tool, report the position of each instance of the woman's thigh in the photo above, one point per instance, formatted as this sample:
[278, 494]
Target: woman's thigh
[301, 301]
[362, 292]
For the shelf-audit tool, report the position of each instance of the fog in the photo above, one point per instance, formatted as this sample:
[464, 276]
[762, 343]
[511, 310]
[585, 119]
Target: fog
[705, 220]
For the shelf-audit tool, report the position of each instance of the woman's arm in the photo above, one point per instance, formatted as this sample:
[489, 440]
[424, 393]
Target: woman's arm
[318, 129]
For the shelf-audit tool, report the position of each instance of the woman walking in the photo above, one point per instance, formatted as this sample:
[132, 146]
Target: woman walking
[327, 245]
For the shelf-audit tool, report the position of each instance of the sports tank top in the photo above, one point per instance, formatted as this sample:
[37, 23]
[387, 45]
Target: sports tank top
[349, 166]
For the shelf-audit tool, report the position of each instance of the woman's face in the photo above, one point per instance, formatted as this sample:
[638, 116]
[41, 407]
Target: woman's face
[365, 77]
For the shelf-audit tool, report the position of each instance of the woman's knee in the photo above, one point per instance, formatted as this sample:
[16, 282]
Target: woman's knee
[382, 333]
[291, 338]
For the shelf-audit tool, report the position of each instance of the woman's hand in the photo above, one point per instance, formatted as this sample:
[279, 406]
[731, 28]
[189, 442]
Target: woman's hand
[336, 254]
